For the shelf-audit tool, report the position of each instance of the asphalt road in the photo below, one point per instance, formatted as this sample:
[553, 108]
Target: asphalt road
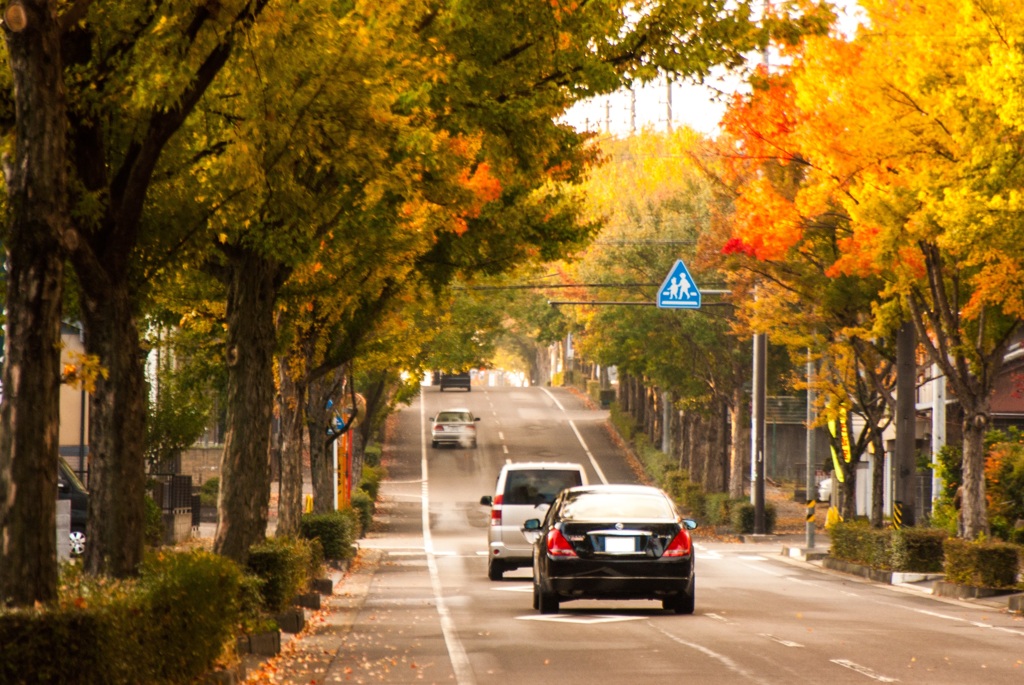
[420, 609]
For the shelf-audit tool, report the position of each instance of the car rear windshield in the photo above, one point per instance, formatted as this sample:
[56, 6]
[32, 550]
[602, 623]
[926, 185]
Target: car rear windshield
[454, 417]
[538, 487]
[592, 506]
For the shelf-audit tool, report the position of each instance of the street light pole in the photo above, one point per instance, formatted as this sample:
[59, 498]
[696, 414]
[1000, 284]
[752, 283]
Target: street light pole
[759, 400]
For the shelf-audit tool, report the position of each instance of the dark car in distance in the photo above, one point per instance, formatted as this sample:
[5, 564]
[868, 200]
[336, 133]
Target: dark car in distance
[612, 542]
[455, 380]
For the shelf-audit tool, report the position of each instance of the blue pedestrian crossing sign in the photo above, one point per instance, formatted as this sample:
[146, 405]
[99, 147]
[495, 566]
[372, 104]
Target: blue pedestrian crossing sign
[678, 291]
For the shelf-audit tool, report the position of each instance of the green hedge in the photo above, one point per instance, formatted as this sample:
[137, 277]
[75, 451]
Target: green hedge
[717, 506]
[742, 514]
[914, 550]
[283, 566]
[918, 550]
[859, 543]
[336, 532]
[370, 480]
[981, 564]
[364, 508]
[168, 626]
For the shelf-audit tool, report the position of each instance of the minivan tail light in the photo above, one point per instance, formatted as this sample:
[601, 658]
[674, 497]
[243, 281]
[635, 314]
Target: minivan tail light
[681, 546]
[558, 546]
[496, 510]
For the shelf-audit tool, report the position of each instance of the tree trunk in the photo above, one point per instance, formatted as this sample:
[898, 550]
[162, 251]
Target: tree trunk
[717, 448]
[36, 188]
[376, 397]
[117, 429]
[321, 443]
[973, 508]
[737, 461]
[292, 402]
[877, 481]
[253, 284]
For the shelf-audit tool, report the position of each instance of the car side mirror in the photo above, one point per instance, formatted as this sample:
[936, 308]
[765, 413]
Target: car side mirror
[477, 418]
[531, 530]
[689, 524]
[432, 419]
[486, 500]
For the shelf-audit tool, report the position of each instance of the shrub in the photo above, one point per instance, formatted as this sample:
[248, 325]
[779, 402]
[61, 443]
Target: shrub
[742, 516]
[859, 543]
[372, 454]
[170, 625]
[693, 497]
[674, 482]
[981, 563]
[370, 481]
[192, 605]
[336, 531]
[622, 422]
[208, 492]
[716, 508]
[153, 533]
[283, 566]
[29, 639]
[364, 508]
[944, 516]
[918, 550]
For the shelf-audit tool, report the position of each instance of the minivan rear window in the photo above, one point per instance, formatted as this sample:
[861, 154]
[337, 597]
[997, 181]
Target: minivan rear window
[538, 487]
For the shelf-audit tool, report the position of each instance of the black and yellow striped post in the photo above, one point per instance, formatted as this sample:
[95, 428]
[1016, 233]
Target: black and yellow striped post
[897, 514]
[810, 510]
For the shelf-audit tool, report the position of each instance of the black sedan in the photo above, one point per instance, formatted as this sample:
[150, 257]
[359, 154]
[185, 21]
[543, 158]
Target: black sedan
[612, 542]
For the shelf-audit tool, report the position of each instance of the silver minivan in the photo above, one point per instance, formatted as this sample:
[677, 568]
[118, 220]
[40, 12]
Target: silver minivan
[524, 491]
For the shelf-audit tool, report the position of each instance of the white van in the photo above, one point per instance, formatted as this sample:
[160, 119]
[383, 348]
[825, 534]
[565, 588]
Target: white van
[524, 491]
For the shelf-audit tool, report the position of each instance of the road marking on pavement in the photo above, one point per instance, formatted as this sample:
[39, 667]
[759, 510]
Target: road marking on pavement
[501, 436]
[865, 671]
[761, 569]
[456, 652]
[721, 658]
[976, 624]
[718, 617]
[575, 618]
[515, 588]
[751, 557]
[572, 424]
[784, 643]
[504, 448]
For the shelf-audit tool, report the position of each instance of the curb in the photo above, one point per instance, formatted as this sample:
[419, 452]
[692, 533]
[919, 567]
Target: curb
[932, 584]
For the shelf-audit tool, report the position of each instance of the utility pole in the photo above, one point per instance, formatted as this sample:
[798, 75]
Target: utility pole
[758, 401]
[904, 461]
[811, 449]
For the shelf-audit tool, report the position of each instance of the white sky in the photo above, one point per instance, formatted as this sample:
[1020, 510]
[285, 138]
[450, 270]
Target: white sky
[691, 105]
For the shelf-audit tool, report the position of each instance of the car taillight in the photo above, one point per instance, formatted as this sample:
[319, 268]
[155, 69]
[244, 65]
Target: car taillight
[681, 546]
[558, 546]
[496, 511]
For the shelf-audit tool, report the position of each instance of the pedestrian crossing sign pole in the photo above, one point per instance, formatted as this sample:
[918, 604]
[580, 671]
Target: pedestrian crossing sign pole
[678, 291]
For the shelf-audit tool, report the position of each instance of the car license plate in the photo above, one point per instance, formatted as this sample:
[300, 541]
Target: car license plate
[619, 544]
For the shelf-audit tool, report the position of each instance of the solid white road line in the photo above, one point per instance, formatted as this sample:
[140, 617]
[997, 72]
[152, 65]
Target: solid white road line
[864, 670]
[456, 652]
[593, 461]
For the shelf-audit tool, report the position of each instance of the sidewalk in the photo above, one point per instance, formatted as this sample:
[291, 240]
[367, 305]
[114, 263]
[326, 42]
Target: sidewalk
[320, 652]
